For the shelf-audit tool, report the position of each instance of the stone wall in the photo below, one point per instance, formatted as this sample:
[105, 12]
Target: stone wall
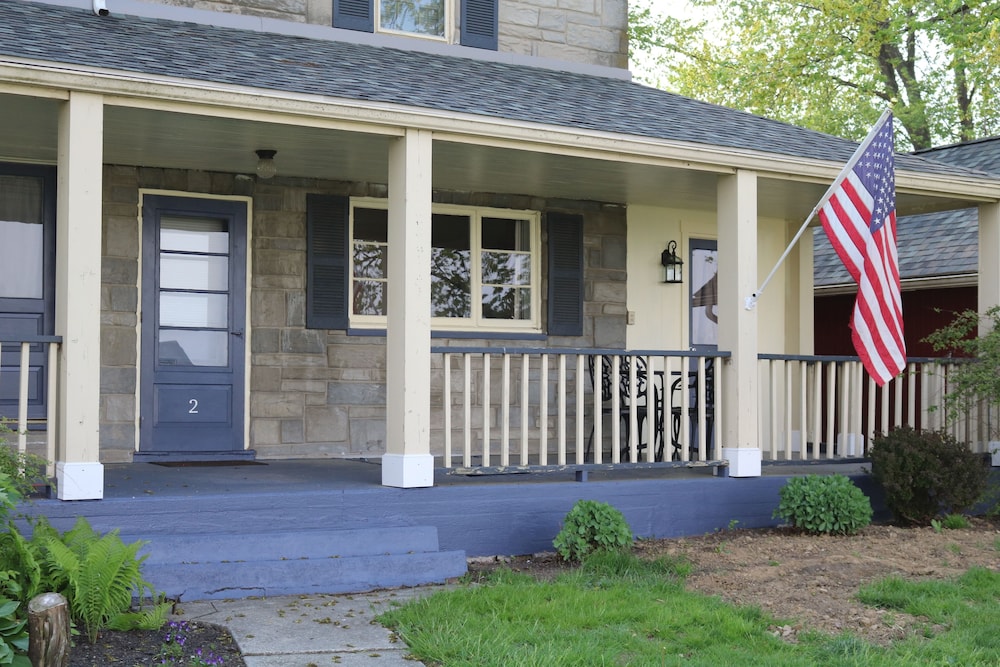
[582, 31]
[313, 393]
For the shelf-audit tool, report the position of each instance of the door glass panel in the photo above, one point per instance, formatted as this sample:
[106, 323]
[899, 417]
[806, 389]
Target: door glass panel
[22, 251]
[208, 235]
[196, 272]
[704, 297]
[193, 348]
[194, 309]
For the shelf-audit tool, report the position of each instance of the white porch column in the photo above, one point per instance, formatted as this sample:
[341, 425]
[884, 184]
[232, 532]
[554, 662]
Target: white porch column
[737, 210]
[989, 277]
[79, 473]
[989, 256]
[803, 335]
[408, 462]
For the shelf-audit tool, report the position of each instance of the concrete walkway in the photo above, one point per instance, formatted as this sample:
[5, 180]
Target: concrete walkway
[311, 630]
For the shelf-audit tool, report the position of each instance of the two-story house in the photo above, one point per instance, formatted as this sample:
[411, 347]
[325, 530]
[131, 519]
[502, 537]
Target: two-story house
[234, 229]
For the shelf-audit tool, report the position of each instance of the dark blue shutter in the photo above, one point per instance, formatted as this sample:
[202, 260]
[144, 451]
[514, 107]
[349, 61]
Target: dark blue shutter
[479, 24]
[354, 15]
[565, 235]
[327, 261]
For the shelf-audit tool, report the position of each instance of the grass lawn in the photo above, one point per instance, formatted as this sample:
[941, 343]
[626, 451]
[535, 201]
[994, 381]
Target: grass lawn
[619, 610]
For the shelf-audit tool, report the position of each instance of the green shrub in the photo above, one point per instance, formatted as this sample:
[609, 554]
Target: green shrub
[592, 526]
[926, 474]
[13, 625]
[22, 469]
[828, 504]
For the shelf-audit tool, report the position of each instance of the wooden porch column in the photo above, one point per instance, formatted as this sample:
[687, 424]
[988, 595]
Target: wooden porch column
[989, 256]
[737, 210]
[801, 289]
[408, 462]
[79, 473]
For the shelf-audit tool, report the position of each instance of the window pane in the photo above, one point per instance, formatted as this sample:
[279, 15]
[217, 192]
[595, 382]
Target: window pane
[22, 251]
[369, 297]
[506, 268]
[194, 235]
[193, 348]
[187, 309]
[370, 260]
[506, 303]
[424, 17]
[371, 224]
[451, 267]
[504, 234]
[198, 272]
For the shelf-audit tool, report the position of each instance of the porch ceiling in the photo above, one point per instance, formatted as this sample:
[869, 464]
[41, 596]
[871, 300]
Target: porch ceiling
[156, 138]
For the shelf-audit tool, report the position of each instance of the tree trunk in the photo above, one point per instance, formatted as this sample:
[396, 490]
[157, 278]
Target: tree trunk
[48, 631]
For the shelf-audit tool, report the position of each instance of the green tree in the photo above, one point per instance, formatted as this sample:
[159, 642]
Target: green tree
[834, 65]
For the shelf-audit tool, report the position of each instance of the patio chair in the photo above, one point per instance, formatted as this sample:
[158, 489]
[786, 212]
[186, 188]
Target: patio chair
[642, 402]
[690, 384]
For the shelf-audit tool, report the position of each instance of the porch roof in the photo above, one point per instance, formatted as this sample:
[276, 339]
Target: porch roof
[328, 66]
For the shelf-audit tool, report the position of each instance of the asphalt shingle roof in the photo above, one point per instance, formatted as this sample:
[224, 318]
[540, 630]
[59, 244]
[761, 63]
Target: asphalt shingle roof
[933, 244]
[338, 69]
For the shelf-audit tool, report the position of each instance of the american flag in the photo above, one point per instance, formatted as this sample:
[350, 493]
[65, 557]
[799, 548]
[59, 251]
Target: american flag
[860, 220]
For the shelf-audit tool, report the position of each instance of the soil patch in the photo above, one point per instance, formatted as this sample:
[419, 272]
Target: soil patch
[140, 648]
[809, 582]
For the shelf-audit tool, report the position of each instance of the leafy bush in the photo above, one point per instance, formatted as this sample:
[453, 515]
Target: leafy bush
[22, 469]
[828, 504]
[979, 379]
[592, 526]
[13, 626]
[927, 473]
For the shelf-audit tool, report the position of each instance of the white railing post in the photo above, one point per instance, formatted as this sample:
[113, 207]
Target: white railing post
[467, 395]
[487, 454]
[525, 376]
[447, 410]
[22, 399]
[505, 412]
[543, 412]
[580, 411]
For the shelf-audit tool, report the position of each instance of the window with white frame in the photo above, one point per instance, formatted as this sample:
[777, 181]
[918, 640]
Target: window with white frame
[428, 18]
[485, 267]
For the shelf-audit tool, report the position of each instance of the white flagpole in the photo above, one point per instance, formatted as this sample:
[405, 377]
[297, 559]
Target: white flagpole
[751, 300]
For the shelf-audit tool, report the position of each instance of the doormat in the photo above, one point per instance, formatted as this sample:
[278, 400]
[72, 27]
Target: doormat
[206, 464]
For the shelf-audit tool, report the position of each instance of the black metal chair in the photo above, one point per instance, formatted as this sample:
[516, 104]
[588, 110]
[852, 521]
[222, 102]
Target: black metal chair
[690, 384]
[642, 401]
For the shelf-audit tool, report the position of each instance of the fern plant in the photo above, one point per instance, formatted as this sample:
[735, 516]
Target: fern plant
[99, 575]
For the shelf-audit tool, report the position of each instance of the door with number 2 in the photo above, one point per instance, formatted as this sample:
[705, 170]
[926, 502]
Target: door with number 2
[193, 325]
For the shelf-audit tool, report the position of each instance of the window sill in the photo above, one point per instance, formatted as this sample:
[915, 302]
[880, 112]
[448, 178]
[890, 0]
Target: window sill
[486, 335]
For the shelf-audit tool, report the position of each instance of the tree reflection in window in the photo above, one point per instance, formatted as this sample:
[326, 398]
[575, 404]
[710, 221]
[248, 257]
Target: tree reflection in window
[371, 236]
[451, 266]
[423, 17]
[506, 266]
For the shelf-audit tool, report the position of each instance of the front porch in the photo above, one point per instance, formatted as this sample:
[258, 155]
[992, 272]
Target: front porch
[208, 524]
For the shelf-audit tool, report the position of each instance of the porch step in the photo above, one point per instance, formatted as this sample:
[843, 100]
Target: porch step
[201, 566]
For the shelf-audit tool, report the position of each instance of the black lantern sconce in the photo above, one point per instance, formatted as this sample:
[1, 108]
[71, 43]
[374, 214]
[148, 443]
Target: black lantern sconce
[673, 266]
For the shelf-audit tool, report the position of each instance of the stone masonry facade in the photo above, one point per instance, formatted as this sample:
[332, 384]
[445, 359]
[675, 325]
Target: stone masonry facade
[313, 393]
[581, 31]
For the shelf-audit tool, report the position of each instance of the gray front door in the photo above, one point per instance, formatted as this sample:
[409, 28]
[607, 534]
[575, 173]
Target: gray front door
[193, 321]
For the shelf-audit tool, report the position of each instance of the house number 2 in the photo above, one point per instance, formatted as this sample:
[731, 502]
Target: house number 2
[194, 406]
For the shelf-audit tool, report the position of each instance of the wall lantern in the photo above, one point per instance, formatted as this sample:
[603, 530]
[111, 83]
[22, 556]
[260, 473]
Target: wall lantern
[673, 266]
[265, 164]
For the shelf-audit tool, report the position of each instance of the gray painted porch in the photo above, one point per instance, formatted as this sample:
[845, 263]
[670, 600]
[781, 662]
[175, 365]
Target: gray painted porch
[310, 526]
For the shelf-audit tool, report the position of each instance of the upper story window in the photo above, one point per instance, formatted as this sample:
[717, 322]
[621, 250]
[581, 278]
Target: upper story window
[420, 17]
[477, 20]
[485, 267]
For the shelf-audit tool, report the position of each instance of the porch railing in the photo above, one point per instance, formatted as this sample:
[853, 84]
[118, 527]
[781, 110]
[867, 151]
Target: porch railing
[22, 382]
[824, 407]
[514, 408]
[504, 408]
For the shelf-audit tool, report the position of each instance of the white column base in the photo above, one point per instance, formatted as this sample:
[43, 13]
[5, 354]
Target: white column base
[407, 471]
[995, 450]
[79, 481]
[743, 461]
